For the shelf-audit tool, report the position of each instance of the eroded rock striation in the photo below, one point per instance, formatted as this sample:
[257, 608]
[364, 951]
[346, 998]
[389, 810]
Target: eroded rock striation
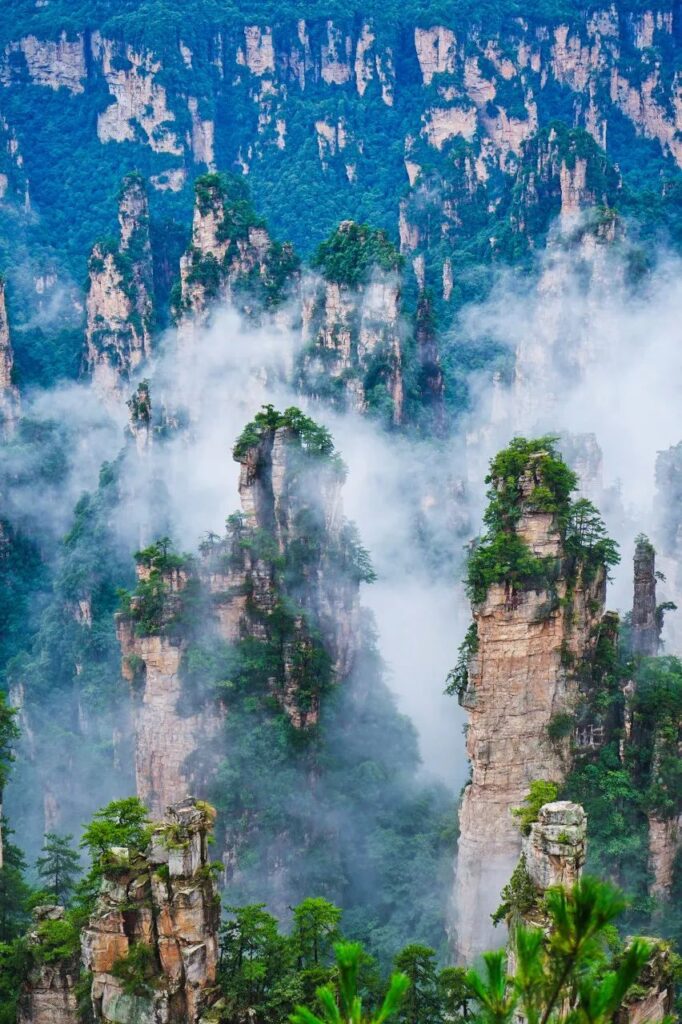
[119, 302]
[553, 855]
[531, 626]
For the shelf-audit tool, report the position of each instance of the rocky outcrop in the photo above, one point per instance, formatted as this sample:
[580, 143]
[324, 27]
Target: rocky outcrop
[151, 944]
[352, 329]
[646, 627]
[231, 257]
[48, 994]
[517, 679]
[9, 395]
[652, 998]
[119, 303]
[432, 383]
[554, 850]
[553, 855]
[283, 575]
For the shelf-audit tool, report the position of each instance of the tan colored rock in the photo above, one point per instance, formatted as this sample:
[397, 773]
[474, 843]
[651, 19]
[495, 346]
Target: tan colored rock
[48, 994]
[444, 123]
[56, 64]
[436, 51]
[344, 328]
[336, 56]
[164, 900]
[259, 50]
[554, 852]
[652, 998]
[518, 681]
[641, 106]
[665, 842]
[138, 99]
[119, 310]
[203, 132]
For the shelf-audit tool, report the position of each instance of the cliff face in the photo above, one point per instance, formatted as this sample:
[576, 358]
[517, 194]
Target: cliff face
[231, 257]
[9, 395]
[48, 995]
[119, 304]
[277, 577]
[352, 332]
[159, 910]
[518, 679]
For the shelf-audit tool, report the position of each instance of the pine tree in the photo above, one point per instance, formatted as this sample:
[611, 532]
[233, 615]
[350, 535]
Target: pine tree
[59, 867]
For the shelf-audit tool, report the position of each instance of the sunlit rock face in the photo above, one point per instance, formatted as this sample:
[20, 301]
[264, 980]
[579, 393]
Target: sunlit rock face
[518, 680]
[164, 901]
[231, 258]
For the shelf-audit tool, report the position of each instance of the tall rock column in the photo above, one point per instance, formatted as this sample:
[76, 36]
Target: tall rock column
[119, 304]
[286, 574]
[9, 395]
[231, 257]
[553, 855]
[533, 621]
[645, 626]
[352, 331]
[168, 736]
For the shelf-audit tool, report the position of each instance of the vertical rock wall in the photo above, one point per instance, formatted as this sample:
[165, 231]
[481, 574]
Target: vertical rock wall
[9, 395]
[352, 332]
[164, 903]
[119, 304]
[291, 509]
[48, 995]
[518, 681]
[645, 627]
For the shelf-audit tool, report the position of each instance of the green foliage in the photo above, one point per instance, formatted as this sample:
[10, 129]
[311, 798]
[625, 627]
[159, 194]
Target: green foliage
[121, 823]
[315, 930]
[586, 539]
[15, 893]
[344, 1006]
[421, 1003]
[561, 726]
[9, 734]
[535, 462]
[59, 866]
[458, 678]
[57, 940]
[505, 558]
[567, 973]
[527, 477]
[136, 969]
[519, 896]
[313, 439]
[353, 251]
[541, 792]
